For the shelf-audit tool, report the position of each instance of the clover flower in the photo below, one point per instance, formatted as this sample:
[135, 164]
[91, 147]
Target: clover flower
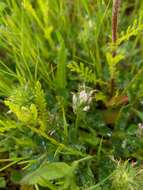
[82, 100]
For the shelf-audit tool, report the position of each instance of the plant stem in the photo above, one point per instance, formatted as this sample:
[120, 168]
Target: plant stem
[115, 12]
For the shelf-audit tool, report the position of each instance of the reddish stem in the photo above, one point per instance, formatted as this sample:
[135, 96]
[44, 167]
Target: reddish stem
[115, 12]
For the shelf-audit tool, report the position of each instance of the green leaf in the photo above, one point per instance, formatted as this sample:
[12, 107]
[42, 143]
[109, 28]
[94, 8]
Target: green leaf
[61, 66]
[2, 182]
[139, 114]
[89, 138]
[48, 171]
[16, 176]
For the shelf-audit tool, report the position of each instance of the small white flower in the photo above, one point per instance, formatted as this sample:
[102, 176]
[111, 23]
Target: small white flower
[82, 99]
[52, 132]
[74, 98]
[9, 112]
[83, 96]
[74, 102]
[86, 108]
[109, 134]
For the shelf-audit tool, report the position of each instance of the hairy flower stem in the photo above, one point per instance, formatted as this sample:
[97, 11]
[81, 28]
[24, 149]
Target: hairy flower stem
[115, 12]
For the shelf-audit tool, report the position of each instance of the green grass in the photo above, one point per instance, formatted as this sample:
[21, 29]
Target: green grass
[71, 98]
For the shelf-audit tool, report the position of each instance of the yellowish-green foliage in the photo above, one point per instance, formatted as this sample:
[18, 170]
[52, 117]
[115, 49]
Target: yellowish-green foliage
[133, 30]
[85, 73]
[8, 125]
[112, 63]
[40, 103]
[29, 113]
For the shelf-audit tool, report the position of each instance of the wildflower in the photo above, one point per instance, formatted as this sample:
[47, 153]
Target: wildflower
[86, 108]
[82, 100]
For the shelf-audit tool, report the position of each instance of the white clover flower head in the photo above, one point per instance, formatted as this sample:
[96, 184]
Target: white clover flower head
[86, 108]
[82, 99]
[83, 96]
[74, 102]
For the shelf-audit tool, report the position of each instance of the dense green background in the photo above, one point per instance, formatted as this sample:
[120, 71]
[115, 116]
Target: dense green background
[70, 113]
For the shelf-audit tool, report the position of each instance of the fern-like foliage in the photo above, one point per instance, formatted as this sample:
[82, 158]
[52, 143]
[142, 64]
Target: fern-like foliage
[22, 95]
[84, 72]
[132, 30]
[27, 115]
[31, 111]
[7, 125]
[40, 103]
[112, 63]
